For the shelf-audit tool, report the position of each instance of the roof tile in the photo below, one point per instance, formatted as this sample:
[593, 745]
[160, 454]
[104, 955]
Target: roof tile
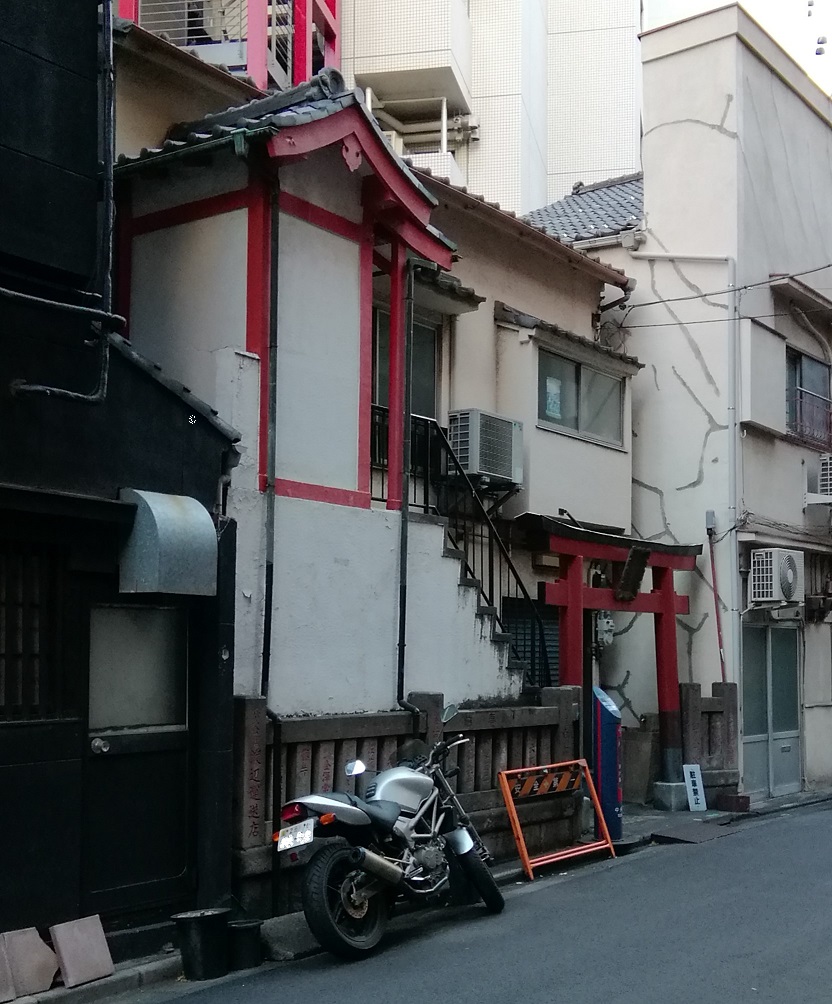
[600, 210]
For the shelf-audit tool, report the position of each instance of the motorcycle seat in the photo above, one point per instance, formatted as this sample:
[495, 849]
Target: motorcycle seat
[382, 812]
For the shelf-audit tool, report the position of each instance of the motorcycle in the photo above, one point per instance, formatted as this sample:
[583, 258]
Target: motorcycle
[398, 842]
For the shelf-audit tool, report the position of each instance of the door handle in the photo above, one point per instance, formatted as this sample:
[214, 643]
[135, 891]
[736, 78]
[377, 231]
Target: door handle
[785, 749]
[100, 746]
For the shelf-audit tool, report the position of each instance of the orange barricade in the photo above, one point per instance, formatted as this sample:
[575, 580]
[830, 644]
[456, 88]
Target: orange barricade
[551, 779]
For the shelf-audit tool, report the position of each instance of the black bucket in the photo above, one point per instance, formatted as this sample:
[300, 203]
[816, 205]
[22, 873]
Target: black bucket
[203, 942]
[245, 949]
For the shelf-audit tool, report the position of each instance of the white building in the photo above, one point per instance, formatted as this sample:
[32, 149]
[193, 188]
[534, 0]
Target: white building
[731, 316]
[511, 79]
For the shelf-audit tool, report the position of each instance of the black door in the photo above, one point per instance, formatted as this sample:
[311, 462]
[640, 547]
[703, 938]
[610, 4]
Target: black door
[137, 804]
[41, 727]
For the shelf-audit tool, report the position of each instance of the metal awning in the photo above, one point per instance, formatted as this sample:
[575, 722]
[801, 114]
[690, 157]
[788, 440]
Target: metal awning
[172, 547]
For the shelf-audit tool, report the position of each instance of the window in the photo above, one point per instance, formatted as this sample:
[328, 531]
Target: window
[807, 397]
[423, 401]
[572, 396]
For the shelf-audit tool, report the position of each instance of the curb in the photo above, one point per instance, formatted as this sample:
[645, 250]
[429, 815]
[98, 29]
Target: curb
[130, 977]
[772, 810]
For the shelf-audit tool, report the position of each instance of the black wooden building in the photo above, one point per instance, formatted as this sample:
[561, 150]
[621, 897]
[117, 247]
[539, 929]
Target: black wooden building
[116, 561]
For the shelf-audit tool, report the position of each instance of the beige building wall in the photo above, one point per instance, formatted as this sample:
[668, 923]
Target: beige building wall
[494, 366]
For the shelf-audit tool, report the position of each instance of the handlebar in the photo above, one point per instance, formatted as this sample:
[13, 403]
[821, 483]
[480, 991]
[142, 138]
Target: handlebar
[443, 747]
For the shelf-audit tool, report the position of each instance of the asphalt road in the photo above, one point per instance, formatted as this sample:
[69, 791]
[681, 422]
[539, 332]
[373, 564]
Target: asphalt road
[747, 917]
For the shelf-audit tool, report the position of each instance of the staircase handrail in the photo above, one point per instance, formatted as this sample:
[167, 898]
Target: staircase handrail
[461, 472]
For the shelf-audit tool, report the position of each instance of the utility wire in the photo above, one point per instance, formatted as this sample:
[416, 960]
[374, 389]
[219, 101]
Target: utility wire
[718, 320]
[730, 289]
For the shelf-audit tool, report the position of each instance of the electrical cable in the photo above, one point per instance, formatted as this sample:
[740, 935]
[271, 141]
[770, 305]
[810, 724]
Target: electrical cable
[730, 289]
[717, 320]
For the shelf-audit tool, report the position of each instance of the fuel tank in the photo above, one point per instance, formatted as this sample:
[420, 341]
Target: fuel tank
[401, 784]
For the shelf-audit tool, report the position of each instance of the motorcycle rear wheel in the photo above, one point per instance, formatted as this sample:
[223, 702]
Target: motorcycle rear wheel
[341, 925]
[479, 875]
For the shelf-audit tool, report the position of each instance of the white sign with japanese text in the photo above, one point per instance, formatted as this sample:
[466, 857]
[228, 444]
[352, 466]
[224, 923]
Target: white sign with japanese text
[693, 783]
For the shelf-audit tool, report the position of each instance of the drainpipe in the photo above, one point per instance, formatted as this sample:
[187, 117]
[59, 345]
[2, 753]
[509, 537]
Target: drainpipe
[734, 454]
[271, 434]
[411, 266]
[443, 139]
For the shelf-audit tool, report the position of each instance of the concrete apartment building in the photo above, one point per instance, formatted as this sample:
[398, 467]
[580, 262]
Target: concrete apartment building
[492, 96]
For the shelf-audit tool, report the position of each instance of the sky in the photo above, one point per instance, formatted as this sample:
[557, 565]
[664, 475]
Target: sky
[787, 21]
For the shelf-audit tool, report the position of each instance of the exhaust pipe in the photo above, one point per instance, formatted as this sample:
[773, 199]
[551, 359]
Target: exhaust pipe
[376, 865]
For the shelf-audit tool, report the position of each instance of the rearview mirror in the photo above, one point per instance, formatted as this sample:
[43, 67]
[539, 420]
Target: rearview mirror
[449, 712]
[354, 768]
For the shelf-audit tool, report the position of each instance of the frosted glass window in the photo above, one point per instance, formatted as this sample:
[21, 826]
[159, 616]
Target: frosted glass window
[423, 396]
[577, 397]
[754, 682]
[785, 706]
[600, 405]
[138, 667]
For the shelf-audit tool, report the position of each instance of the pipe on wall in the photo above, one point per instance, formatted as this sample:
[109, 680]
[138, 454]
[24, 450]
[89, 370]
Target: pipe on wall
[271, 435]
[412, 265]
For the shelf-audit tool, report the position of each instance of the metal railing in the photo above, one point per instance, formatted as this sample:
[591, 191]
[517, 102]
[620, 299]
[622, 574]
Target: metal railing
[279, 42]
[219, 29]
[196, 22]
[809, 416]
[440, 486]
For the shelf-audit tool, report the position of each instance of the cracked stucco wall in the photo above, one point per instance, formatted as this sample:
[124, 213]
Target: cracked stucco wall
[737, 155]
[680, 331]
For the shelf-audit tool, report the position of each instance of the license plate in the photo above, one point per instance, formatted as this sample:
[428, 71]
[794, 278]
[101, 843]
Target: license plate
[295, 836]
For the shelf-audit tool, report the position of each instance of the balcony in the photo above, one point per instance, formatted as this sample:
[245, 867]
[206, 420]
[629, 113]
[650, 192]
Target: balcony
[251, 37]
[809, 416]
[405, 50]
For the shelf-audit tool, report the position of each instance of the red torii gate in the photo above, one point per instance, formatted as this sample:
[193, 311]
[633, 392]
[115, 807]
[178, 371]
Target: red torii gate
[575, 545]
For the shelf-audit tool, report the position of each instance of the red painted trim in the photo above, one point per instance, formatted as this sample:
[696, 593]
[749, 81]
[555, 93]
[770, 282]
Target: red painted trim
[365, 370]
[322, 493]
[124, 253]
[324, 18]
[299, 141]
[571, 623]
[667, 668]
[301, 41]
[128, 9]
[612, 552]
[190, 212]
[557, 594]
[257, 302]
[395, 393]
[422, 242]
[320, 217]
[257, 15]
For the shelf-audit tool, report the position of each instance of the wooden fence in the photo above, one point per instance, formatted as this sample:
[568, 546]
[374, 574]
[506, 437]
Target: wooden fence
[300, 755]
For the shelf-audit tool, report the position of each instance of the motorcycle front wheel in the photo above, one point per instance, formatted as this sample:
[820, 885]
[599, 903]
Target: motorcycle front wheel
[479, 875]
[343, 923]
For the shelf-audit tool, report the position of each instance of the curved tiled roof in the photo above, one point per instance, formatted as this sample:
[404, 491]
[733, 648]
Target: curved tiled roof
[600, 210]
[527, 223]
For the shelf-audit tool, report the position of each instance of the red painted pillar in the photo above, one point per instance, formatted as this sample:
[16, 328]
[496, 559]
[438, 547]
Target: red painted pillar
[572, 623]
[257, 42]
[332, 39]
[667, 677]
[395, 395]
[301, 41]
[129, 9]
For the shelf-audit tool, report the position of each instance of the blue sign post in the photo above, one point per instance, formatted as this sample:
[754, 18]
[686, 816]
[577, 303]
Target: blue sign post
[606, 723]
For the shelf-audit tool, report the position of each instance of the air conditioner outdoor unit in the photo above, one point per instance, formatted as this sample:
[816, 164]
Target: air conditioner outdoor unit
[395, 140]
[776, 576]
[487, 445]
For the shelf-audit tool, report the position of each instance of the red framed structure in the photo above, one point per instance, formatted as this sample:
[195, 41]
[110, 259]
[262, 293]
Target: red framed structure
[576, 548]
[395, 212]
